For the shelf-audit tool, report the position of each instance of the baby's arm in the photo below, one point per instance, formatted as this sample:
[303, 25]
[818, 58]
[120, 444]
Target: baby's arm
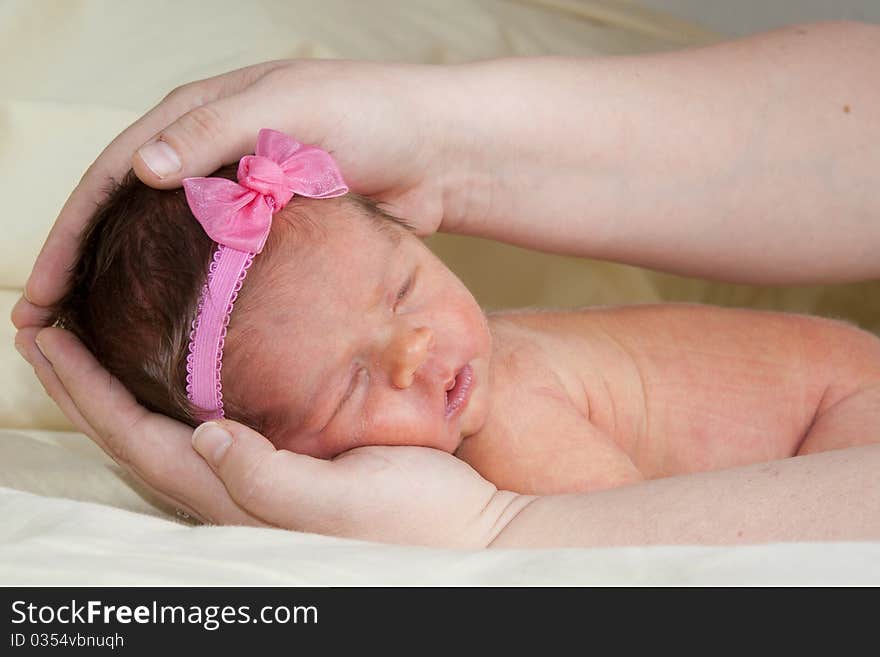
[848, 360]
[846, 420]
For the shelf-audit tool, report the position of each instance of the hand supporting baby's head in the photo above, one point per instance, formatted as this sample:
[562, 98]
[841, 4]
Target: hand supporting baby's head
[328, 346]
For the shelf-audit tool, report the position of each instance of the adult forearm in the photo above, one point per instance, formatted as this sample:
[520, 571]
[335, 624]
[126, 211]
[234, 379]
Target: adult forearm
[833, 496]
[752, 161]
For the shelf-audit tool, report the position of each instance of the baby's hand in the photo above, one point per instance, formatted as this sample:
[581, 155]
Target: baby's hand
[411, 495]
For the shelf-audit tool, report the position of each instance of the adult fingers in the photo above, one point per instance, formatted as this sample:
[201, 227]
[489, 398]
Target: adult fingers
[26, 344]
[25, 314]
[100, 398]
[202, 140]
[219, 124]
[48, 280]
[156, 449]
[49, 276]
[24, 340]
[282, 488]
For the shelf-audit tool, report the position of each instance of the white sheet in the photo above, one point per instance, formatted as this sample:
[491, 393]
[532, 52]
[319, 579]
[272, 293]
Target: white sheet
[82, 522]
[63, 542]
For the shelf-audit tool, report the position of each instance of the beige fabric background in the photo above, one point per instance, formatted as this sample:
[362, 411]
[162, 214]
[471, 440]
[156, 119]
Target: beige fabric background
[74, 73]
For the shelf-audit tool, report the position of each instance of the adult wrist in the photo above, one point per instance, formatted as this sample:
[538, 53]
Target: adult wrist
[515, 144]
[464, 144]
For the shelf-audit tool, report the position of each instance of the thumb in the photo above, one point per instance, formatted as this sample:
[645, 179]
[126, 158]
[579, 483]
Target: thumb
[277, 486]
[213, 440]
[199, 142]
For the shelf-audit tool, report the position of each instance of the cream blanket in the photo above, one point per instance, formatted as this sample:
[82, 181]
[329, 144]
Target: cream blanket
[77, 72]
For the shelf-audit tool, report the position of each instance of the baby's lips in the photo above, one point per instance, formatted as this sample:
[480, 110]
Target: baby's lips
[449, 385]
[459, 395]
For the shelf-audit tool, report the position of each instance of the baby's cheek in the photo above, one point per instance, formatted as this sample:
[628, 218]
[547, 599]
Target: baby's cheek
[406, 425]
[388, 421]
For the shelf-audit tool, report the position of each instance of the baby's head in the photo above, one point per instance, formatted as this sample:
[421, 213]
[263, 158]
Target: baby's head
[347, 330]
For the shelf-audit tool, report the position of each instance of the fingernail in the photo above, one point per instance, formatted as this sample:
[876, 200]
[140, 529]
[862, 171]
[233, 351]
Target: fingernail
[160, 157]
[211, 441]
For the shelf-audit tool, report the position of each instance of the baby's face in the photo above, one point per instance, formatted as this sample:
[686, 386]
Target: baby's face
[355, 340]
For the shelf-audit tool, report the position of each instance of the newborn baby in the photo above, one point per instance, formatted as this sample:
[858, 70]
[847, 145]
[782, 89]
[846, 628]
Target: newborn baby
[349, 332]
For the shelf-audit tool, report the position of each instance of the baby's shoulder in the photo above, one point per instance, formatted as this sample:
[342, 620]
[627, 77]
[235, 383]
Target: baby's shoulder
[566, 340]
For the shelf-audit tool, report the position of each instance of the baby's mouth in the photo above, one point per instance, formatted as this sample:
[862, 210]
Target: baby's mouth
[458, 394]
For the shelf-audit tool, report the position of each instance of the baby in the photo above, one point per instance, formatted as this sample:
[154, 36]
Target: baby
[347, 331]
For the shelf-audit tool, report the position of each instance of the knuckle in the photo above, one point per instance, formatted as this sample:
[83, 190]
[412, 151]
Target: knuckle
[280, 75]
[205, 121]
[116, 445]
[178, 92]
[200, 125]
[244, 78]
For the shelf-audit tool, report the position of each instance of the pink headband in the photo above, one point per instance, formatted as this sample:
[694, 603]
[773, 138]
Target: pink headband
[238, 216]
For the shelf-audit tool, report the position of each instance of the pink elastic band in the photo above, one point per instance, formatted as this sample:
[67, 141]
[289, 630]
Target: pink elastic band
[205, 360]
[238, 216]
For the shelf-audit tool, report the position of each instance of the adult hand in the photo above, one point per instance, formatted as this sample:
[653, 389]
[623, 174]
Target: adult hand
[374, 118]
[154, 448]
[410, 495]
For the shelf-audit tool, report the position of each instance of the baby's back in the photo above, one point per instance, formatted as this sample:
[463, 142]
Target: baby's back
[601, 397]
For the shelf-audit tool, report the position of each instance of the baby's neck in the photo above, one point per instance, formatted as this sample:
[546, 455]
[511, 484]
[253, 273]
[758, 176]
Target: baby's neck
[515, 340]
[521, 357]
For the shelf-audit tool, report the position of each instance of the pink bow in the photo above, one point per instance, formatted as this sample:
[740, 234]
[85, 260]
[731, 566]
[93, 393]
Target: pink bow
[239, 215]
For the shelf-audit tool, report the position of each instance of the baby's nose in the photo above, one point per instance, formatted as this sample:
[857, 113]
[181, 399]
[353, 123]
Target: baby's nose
[408, 352]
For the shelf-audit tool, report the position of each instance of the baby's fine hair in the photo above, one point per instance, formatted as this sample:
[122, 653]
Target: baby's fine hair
[134, 289]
